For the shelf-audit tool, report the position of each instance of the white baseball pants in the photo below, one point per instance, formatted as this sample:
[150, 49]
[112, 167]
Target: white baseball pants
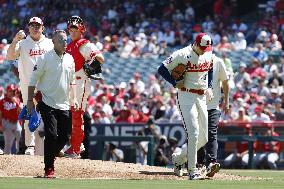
[193, 109]
[32, 138]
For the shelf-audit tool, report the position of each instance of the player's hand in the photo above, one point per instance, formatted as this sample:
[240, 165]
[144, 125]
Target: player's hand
[226, 106]
[30, 106]
[19, 36]
[180, 84]
[75, 105]
[209, 94]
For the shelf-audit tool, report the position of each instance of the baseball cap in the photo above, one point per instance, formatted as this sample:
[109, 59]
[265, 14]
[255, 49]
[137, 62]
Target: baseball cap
[273, 90]
[35, 20]
[122, 85]
[204, 41]
[243, 65]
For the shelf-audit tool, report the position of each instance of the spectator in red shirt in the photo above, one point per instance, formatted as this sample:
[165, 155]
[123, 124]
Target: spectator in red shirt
[255, 71]
[10, 108]
[125, 116]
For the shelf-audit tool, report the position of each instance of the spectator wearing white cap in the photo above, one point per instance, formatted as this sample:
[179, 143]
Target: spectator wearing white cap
[4, 47]
[242, 74]
[240, 43]
[242, 115]
[28, 51]
[262, 37]
[274, 94]
[275, 45]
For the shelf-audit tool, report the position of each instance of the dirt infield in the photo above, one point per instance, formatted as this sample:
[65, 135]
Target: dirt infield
[32, 166]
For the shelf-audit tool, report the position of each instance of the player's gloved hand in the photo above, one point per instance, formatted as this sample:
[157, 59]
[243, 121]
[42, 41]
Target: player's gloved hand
[180, 84]
[209, 94]
[35, 121]
[19, 36]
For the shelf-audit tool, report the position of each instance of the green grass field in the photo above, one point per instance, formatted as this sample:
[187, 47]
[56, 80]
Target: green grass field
[276, 181]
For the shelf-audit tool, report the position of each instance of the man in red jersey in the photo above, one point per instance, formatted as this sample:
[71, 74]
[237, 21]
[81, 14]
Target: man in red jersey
[10, 107]
[88, 60]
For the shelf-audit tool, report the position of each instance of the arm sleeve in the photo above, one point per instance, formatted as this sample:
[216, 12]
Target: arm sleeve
[89, 51]
[164, 72]
[38, 71]
[210, 78]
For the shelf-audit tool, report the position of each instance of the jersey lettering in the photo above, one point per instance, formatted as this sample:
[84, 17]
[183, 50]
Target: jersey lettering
[203, 67]
[9, 106]
[36, 52]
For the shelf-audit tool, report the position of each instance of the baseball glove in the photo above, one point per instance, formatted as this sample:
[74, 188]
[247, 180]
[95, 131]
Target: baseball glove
[178, 72]
[92, 68]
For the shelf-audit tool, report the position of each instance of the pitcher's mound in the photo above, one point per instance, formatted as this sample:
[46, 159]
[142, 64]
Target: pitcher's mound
[32, 166]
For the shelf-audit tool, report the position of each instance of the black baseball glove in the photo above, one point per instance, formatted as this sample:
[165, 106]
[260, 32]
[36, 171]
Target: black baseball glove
[93, 69]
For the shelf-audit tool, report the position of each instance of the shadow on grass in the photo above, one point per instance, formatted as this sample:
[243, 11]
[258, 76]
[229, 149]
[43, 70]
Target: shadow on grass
[156, 173]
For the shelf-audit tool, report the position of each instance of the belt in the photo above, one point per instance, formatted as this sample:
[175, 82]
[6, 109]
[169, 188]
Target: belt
[196, 91]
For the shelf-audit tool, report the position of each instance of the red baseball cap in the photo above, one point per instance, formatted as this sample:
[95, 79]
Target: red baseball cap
[204, 42]
[35, 20]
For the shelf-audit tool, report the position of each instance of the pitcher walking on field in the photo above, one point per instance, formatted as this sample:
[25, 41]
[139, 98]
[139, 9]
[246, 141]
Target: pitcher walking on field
[192, 95]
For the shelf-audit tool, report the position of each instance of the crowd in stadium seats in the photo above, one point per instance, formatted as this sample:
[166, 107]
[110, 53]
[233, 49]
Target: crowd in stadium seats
[137, 28]
[134, 29]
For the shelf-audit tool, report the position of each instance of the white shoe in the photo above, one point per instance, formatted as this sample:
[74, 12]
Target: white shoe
[1, 152]
[73, 155]
[177, 168]
[195, 175]
[203, 170]
[30, 151]
[82, 148]
[212, 169]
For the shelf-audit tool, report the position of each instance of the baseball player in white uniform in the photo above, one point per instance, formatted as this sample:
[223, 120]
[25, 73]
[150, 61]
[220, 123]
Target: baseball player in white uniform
[220, 78]
[192, 95]
[28, 51]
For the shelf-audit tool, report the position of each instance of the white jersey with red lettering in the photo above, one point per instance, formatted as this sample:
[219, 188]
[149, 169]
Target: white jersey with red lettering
[28, 51]
[197, 67]
[192, 106]
[220, 74]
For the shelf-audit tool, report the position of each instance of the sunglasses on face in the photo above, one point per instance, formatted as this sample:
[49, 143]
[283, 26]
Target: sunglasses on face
[35, 26]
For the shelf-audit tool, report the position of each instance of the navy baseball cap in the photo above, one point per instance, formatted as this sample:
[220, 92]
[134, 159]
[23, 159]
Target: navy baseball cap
[204, 42]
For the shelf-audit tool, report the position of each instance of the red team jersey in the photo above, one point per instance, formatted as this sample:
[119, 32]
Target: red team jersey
[9, 109]
[73, 49]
